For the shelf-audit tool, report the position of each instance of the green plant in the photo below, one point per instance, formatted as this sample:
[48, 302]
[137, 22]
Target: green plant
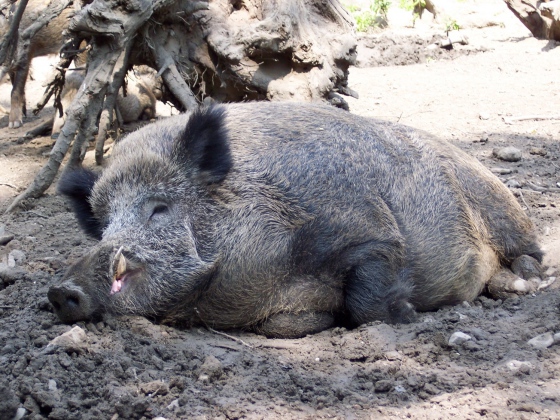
[415, 6]
[451, 25]
[412, 5]
[374, 15]
[364, 21]
[380, 7]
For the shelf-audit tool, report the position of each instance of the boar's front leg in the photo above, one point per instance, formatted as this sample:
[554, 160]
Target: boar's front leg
[295, 325]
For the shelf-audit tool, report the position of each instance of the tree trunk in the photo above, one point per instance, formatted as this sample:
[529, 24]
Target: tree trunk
[541, 18]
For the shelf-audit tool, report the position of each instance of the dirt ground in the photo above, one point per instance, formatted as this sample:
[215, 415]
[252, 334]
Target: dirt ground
[130, 368]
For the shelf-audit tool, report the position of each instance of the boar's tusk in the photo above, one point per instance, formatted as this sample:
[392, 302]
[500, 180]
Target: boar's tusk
[119, 264]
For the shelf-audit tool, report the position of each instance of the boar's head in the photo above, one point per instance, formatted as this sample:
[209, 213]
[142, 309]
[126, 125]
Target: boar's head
[153, 215]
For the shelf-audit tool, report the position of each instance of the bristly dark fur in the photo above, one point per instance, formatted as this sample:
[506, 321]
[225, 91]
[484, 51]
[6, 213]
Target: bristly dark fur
[287, 219]
[205, 144]
[77, 184]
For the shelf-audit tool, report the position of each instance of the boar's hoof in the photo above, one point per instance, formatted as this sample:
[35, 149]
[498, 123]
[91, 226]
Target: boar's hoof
[526, 267]
[287, 325]
[70, 303]
[505, 284]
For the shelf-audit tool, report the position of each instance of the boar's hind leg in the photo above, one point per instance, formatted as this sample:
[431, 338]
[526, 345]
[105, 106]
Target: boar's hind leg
[374, 293]
[524, 277]
[295, 325]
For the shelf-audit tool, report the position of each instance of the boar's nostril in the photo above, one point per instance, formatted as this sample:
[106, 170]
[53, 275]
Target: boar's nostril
[70, 303]
[56, 305]
[73, 302]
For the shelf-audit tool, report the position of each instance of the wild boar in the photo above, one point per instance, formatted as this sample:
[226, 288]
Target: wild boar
[287, 219]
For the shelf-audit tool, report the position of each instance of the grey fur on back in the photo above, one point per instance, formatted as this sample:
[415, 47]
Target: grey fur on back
[302, 174]
[287, 219]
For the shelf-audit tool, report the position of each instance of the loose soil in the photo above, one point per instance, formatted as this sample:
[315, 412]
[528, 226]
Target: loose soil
[128, 367]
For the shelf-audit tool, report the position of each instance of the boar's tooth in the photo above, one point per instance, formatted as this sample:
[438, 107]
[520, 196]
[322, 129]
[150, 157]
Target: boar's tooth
[119, 264]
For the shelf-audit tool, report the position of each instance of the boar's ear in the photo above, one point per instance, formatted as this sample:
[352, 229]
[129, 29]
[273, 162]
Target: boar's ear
[204, 145]
[76, 184]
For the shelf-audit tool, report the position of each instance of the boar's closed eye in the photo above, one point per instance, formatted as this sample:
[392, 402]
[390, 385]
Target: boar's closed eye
[76, 184]
[159, 211]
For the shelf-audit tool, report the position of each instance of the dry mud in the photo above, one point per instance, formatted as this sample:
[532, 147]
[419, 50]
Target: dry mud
[130, 368]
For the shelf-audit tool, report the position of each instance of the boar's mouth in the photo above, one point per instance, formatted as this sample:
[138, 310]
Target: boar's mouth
[123, 269]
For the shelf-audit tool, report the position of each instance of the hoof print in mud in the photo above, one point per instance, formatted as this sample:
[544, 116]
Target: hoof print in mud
[287, 219]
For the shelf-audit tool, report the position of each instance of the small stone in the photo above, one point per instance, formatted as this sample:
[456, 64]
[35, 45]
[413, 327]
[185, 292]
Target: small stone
[20, 413]
[556, 338]
[74, 340]
[509, 154]
[52, 385]
[18, 257]
[458, 338]
[6, 239]
[518, 366]
[383, 385]
[393, 355]
[457, 37]
[173, 405]
[484, 115]
[542, 341]
[399, 389]
[501, 171]
[9, 275]
[513, 183]
[154, 388]
[538, 151]
[211, 369]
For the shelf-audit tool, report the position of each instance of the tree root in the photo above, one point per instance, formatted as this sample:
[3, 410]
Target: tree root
[69, 52]
[53, 10]
[87, 103]
[10, 41]
[106, 118]
[83, 106]
[40, 130]
[283, 50]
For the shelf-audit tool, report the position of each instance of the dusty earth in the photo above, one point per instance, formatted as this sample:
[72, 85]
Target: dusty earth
[130, 368]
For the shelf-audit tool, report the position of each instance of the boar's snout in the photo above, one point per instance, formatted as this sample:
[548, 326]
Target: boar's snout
[70, 303]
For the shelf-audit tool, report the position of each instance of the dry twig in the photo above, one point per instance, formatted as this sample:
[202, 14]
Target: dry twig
[511, 120]
[212, 330]
[524, 202]
[9, 185]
